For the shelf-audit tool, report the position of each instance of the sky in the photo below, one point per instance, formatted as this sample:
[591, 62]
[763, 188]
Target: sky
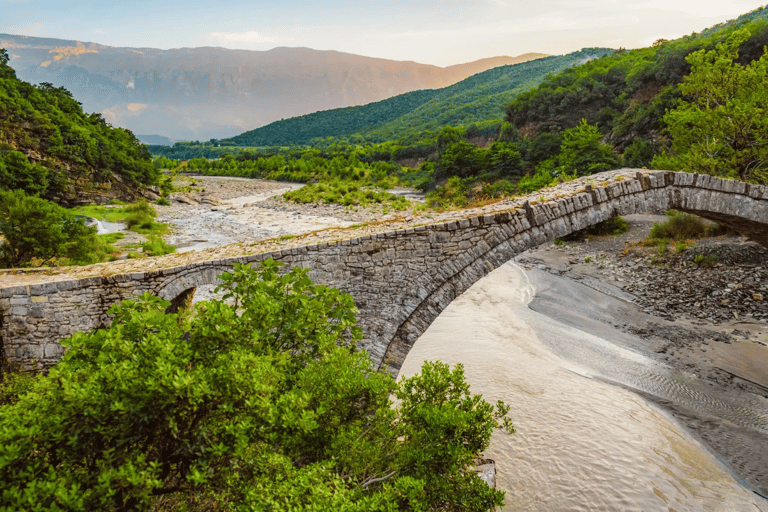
[430, 32]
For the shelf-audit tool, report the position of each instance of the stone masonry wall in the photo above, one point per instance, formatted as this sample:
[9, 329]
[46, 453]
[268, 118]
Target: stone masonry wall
[400, 280]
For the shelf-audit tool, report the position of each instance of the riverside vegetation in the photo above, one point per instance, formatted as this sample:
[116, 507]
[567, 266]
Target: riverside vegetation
[257, 402]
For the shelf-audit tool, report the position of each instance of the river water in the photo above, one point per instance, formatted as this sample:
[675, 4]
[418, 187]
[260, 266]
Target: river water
[586, 440]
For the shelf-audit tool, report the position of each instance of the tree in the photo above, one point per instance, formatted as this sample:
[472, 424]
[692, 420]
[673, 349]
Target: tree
[38, 229]
[638, 154]
[503, 160]
[460, 158]
[582, 152]
[720, 127]
[261, 403]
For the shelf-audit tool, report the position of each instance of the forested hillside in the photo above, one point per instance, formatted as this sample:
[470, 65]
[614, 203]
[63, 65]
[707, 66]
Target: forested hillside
[50, 147]
[627, 94]
[478, 98]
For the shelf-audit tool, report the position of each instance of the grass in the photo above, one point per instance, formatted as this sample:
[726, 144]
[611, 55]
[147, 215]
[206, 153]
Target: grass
[156, 246]
[346, 192]
[681, 226]
[139, 217]
[681, 229]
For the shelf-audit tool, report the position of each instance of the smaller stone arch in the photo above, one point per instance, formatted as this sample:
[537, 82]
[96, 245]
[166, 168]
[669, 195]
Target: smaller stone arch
[180, 288]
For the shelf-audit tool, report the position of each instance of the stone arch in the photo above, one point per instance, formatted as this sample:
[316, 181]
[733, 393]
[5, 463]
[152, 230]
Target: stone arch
[181, 286]
[742, 207]
[475, 264]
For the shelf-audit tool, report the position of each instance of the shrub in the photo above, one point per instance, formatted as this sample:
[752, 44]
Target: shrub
[541, 179]
[681, 226]
[261, 404]
[38, 231]
[453, 193]
[156, 246]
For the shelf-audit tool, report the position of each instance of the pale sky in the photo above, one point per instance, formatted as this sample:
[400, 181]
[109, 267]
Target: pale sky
[431, 32]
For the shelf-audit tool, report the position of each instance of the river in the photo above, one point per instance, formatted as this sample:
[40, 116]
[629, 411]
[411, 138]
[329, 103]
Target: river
[586, 438]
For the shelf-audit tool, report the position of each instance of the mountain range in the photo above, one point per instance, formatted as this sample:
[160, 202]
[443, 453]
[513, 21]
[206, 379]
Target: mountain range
[203, 93]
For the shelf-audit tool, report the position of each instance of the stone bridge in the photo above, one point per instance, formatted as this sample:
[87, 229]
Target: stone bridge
[400, 280]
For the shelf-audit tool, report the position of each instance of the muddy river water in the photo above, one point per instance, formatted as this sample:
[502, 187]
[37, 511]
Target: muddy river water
[588, 437]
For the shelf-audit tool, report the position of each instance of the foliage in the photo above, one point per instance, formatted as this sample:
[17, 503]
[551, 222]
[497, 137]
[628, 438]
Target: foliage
[681, 226]
[581, 151]
[73, 151]
[614, 226]
[17, 173]
[138, 217]
[452, 193]
[541, 179]
[639, 154]
[460, 158]
[156, 246]
[721, 127]
[37, 231]
[626, 93]
[261, 404]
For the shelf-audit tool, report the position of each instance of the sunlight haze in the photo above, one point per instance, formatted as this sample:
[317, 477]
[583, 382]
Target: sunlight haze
[440, 33]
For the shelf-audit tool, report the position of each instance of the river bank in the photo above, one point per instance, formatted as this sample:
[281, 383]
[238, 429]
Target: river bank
[617, 396]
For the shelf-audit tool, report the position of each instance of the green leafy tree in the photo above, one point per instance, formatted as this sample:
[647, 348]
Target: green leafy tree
[503, 160]
[36, 229]
[720, 127]
[582, 152]
[257, 402]
[638, 154]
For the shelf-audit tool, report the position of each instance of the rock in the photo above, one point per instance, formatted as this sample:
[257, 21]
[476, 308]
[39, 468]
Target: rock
[181, 198]
[150, 196]
[486, 470]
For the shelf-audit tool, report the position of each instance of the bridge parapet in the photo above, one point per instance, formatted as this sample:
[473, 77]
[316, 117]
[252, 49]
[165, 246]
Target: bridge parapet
[400, 279]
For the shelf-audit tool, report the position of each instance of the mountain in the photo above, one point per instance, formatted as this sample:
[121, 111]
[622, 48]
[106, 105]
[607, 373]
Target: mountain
[156, 139]
[202, 93]
[479, 98]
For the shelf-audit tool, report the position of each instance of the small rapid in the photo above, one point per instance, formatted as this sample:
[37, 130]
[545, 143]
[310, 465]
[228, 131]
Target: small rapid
[588, 437]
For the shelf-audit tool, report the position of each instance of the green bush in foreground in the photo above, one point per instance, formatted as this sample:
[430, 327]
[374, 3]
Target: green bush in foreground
[257, 405]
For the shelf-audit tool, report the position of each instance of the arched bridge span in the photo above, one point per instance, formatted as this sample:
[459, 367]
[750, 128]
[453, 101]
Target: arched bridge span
[400, 280]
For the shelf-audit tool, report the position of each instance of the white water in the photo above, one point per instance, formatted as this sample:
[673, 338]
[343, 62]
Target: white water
[582, 444]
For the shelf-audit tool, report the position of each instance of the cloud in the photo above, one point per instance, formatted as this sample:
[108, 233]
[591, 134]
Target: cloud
[242, 37]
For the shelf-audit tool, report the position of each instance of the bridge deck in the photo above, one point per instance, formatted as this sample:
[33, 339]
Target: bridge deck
[24, 277]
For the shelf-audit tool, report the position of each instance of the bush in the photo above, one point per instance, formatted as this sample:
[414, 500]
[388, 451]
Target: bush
[261, 404]
[38, 231]
[541, 179]
[156, 246]
[453, 193]
[681, 226]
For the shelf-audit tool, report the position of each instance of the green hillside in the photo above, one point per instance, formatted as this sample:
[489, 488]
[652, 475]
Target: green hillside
[478, 98]
[50, 147]
[481, 97]
[627, 93]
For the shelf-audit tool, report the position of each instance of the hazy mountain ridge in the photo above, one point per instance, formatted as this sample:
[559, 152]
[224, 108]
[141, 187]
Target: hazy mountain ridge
[202, 93]
[478, 98]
